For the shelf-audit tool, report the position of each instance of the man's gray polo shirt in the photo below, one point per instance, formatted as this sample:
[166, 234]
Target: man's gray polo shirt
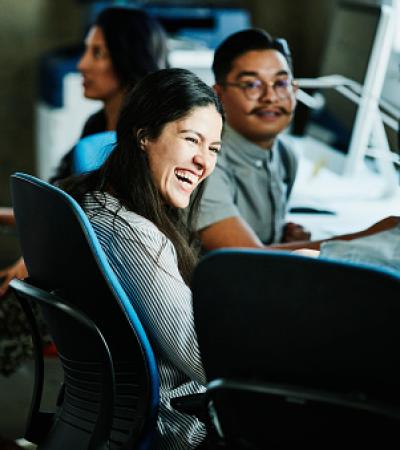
[250, 182]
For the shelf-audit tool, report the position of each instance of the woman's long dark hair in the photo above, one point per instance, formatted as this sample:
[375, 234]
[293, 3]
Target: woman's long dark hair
[136, 41]
[159, 98]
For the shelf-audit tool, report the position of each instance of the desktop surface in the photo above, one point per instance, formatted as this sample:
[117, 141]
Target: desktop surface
[356, 201]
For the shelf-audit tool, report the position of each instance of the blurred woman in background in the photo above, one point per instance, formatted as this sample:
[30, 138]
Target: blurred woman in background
[122, 46]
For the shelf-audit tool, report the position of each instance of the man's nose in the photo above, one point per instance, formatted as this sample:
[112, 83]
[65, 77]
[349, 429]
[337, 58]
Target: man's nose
[269, 93]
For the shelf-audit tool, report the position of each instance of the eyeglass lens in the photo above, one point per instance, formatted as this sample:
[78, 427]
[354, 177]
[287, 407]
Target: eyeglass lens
[256, 89]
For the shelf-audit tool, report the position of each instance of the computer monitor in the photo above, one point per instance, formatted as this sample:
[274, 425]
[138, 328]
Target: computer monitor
[358, 49]
[347, 52]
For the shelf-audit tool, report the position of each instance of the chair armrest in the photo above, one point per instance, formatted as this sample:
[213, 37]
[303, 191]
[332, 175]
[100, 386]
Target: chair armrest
[193, 404]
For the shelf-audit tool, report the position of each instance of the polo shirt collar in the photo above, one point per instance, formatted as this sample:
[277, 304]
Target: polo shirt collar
[238, 148]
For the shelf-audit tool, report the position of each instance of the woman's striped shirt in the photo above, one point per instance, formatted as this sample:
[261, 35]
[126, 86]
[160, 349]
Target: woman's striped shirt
[145, 263]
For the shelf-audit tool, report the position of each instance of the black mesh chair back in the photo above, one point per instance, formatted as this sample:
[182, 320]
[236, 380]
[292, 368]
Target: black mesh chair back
[90, 376]
[298, 350]
[65, 260]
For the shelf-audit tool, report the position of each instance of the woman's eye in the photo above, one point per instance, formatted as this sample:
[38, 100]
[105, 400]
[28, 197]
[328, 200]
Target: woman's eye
[98, 53]
[215, 149]
[192, 139]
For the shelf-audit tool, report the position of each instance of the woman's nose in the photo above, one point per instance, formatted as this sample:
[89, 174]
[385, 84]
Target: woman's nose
[199, 160]
[204, 160]
[83, 62]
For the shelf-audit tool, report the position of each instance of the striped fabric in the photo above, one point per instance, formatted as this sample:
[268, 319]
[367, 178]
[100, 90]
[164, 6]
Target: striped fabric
[145, 263]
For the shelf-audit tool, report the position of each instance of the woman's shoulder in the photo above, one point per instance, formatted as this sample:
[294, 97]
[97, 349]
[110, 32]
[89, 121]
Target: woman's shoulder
[123, 231]
[104, 208]
[139, 222]
[96, 123]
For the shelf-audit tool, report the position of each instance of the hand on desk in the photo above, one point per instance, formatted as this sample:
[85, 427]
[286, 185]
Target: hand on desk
[16, 270]
[293, 232]
[382, 225]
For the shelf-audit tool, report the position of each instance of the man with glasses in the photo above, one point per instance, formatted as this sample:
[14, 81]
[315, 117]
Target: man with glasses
[246, 198]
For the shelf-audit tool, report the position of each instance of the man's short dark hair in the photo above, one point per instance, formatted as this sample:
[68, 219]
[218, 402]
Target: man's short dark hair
[242, 42]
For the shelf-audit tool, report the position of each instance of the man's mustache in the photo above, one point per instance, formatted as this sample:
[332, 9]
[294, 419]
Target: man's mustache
[281, 109]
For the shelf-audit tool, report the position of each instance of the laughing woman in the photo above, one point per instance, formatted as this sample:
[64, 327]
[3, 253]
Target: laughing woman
[168, 138]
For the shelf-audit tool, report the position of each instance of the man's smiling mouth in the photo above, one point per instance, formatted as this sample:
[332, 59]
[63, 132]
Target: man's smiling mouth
[267, 113]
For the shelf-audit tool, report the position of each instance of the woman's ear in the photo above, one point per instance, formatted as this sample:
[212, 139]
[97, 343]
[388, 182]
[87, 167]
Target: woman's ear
[141, 139]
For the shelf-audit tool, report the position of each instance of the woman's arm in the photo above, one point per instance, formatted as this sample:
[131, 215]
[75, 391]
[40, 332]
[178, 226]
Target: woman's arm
[235, 232]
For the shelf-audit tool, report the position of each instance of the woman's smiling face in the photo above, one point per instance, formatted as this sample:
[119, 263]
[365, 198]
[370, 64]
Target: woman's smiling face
[184, 154]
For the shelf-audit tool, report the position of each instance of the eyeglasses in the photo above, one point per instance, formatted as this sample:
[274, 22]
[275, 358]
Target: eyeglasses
[255, 89]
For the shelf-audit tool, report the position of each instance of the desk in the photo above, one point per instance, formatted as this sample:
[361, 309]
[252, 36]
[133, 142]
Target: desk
[357, 200]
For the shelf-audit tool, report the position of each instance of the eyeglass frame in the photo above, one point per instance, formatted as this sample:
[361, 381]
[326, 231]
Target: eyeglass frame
[241, 85]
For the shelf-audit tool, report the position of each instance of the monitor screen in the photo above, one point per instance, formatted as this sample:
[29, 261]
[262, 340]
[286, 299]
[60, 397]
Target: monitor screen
[347, 53]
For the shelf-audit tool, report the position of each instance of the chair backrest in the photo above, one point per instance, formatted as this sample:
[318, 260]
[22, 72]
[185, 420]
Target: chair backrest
[308, 324]
[63, 255]
[90, 364]
[91, 151]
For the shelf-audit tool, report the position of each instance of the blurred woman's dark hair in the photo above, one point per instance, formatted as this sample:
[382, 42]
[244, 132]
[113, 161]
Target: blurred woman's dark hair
[158, 99]
[136, 41]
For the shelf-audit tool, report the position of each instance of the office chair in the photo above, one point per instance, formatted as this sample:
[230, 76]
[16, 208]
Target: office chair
[111, 391]
[298, 351]
[91, 151]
